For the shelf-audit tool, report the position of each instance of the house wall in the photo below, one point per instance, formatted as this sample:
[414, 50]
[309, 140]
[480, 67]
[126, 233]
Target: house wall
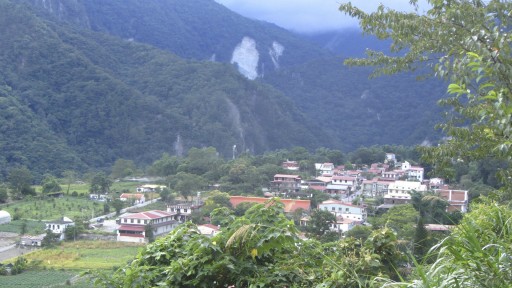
[124, 238]
[349, 212]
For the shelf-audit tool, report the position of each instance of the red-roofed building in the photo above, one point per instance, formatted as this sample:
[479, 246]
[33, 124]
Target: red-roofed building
[290, 205]
[133, 225]
[137, 198]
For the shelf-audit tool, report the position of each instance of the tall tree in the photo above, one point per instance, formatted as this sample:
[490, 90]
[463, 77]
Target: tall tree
[50, 184]
[468, 44]
[69, 178]
[123, 168]
[100, 184]
[187, 184]
[20, 180]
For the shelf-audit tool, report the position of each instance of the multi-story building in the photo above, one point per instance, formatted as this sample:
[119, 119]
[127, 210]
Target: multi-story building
[457, 199]
[376, 186]
[133, 226]
[399, 191]
[59, 226]
[284, 184]
[345, 210]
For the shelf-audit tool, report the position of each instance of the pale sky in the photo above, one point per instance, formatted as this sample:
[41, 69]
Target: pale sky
[306, 15]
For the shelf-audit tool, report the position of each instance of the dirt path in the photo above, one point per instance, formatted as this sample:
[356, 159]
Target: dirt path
[14, 252]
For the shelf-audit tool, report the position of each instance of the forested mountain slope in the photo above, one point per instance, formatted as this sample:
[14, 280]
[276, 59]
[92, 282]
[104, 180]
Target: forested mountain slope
[103, 98]
[132, 79]
[354, 110]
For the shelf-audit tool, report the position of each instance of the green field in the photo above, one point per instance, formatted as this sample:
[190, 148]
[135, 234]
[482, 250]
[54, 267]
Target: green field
[55, 208]
[42, 278]
[85, 255]
[49, 208]
[15, 226]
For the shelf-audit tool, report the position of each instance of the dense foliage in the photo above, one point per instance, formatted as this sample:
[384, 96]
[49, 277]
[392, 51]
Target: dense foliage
[259, 249]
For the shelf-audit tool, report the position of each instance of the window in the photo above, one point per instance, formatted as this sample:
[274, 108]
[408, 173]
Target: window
[131, 220]
[138, 221]
[333, 209]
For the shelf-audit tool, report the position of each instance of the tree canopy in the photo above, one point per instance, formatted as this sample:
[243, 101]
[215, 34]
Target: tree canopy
[466, 43]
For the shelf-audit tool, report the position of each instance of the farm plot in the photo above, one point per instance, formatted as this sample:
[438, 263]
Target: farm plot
[82, 255]
[41, 278]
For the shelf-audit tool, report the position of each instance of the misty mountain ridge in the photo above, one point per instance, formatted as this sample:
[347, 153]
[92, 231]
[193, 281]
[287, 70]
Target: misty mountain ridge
[133, 79]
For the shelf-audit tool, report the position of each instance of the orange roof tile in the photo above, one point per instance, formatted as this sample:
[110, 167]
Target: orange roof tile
[290, 205]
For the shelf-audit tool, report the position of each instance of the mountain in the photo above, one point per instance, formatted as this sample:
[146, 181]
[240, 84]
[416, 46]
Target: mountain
[102, 98]
[348, 43]
[133, 79]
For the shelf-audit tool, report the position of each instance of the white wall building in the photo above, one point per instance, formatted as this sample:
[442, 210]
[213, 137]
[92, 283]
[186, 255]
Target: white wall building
[399, 191]
[345, 210]
[59, 226]
[133, 225]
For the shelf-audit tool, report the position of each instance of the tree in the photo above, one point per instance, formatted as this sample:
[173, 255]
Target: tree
[222, 216]
[187, 184]
[166, 195]
[118, 205]
[320, 222]
[468, 44]
[100, 184]
[50, 239]
[359, 232]
[402, 219]
[69, 178]
[19, 180]
[50, 185]
[149, 233]
[4, 196]
[421, 240]
[123, 168]
[164, 166]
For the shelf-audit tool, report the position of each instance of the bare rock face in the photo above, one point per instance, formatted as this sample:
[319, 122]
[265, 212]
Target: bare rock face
[246, 56]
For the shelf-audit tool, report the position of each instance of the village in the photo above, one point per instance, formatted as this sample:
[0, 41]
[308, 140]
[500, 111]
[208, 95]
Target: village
[353, 195]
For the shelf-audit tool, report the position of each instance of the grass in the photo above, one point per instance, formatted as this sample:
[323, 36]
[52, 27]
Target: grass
[54, 208]
[85, 255]
[48, 208]
[32, 228]
[42, 278]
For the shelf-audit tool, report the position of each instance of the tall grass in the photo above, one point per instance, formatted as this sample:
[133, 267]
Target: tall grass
[477, 254]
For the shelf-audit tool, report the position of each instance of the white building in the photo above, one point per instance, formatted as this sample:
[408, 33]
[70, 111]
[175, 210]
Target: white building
[5, 217]
[59, 226]
[399, 191]
[349, 182]
[345, 210]
[149, 188]
[412, 172]
[133, 225]
[343, 225]
[324, 169]
[136, 198]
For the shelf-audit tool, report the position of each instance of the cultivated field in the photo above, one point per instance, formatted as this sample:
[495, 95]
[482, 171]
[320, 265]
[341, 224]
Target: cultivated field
[44, 278]
[85, 255]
